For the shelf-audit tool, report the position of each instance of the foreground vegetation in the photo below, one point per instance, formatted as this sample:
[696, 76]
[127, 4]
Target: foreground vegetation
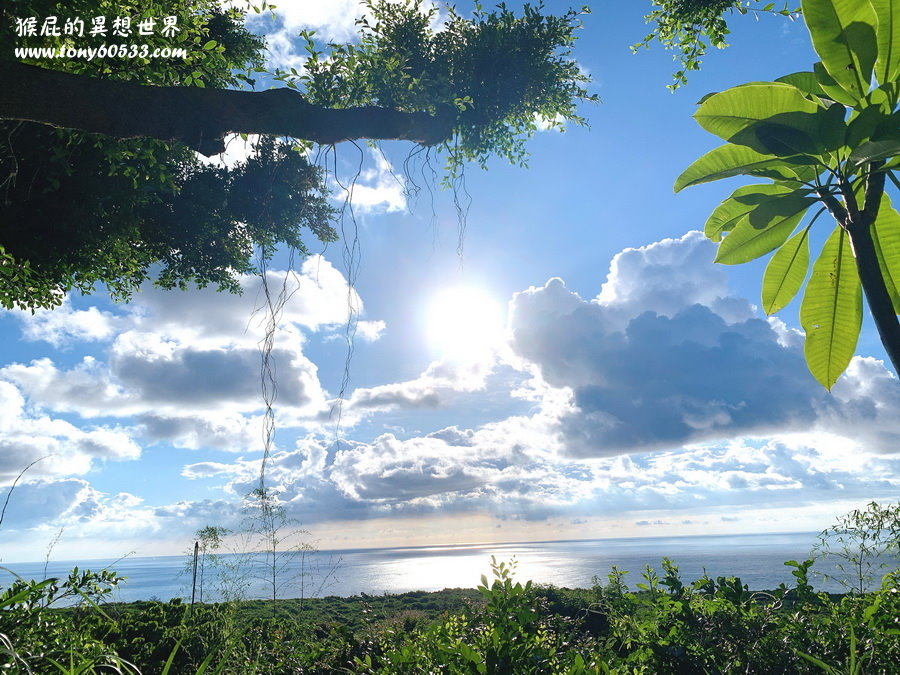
[662, 625]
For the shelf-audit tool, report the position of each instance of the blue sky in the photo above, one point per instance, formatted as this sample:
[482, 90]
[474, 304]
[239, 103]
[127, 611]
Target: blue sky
[581, 370]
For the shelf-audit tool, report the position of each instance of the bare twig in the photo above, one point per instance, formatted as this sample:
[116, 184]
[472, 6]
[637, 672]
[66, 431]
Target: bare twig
[15, 482]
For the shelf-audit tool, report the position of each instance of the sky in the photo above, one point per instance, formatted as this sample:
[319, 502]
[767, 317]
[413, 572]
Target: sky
[567, 363]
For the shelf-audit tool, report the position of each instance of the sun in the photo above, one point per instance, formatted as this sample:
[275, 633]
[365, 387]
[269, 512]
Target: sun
[464, 323]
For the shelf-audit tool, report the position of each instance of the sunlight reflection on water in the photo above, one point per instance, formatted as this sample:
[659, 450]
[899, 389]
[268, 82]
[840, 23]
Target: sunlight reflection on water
[757, 559]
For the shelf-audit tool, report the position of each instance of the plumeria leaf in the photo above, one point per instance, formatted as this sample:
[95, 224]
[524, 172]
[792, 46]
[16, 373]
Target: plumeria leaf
[831, 311]
[785, 272]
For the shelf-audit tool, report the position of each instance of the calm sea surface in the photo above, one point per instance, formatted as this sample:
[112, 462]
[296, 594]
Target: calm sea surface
[756, 559]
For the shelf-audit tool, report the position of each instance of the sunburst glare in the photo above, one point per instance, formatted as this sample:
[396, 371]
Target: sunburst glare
[465, 323]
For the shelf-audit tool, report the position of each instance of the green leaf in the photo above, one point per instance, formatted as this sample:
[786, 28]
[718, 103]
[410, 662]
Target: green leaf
[816, 662]
[831, 312]
[169, 661]
[734, 110]
[871, 151]
[886, 237]
[832, 127]
[210, 45]
[832, 89]
[781, 140]
[887, 67]
[864, 125]
[763, 229]
[724, 162]
[785, 272]
[843, 34]
[743, 200]
[805, 82]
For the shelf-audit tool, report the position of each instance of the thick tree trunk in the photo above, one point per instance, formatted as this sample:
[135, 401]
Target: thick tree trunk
[859, 224]
[877, 296]
[199, 118]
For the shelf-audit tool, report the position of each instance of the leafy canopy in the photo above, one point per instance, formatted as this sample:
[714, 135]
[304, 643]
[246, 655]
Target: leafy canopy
[828, 138]
[497, 74]
[78, 209]
[690, 27]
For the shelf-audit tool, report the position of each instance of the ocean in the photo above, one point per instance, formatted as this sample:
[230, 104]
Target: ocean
[757, 559]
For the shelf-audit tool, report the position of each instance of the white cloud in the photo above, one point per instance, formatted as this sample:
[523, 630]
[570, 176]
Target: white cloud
[370, 331]
[65, 325]
[664, 393]
[187, 364]
[26, 436]
[509, 469]
[666, 366]
[431, 390]
[864, 406]
[332, 21]
[377, 189]
[665, 357]
[231, 432]
[76, 517]
[317, 298]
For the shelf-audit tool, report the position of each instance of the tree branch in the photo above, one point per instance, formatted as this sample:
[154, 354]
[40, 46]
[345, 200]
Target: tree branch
[835, 208]
[199, 118]
[874, 190]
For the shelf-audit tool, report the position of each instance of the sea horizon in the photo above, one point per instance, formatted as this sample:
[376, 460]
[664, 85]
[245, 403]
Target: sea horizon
[423, 547]
[757, 559]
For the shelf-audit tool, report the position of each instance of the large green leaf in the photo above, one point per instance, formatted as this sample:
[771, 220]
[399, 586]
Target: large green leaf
[763, 229]
[832, 89]
[887, 67]
[730, 112]
[832, 127]
[843, 34]
[743, 200]
[783, 140]
[865, 124]
[725, 161]
[785, 272]
[805, 82]
[871, 151]
[831, 312]
[886, 237]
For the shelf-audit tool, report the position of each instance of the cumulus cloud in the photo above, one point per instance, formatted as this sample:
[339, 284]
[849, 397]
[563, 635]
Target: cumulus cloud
[231, 432]
[50, 501]
[377, 189]
[505, 469]
[61, 447]
[187, 365]
[433, 389]
[110, 523]
[318, 298]
[864, 406]
[665, 397]
[167, 381]
[332, 21]
[65, 324]
[665, 357]
[75, 505]
[370, 331]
